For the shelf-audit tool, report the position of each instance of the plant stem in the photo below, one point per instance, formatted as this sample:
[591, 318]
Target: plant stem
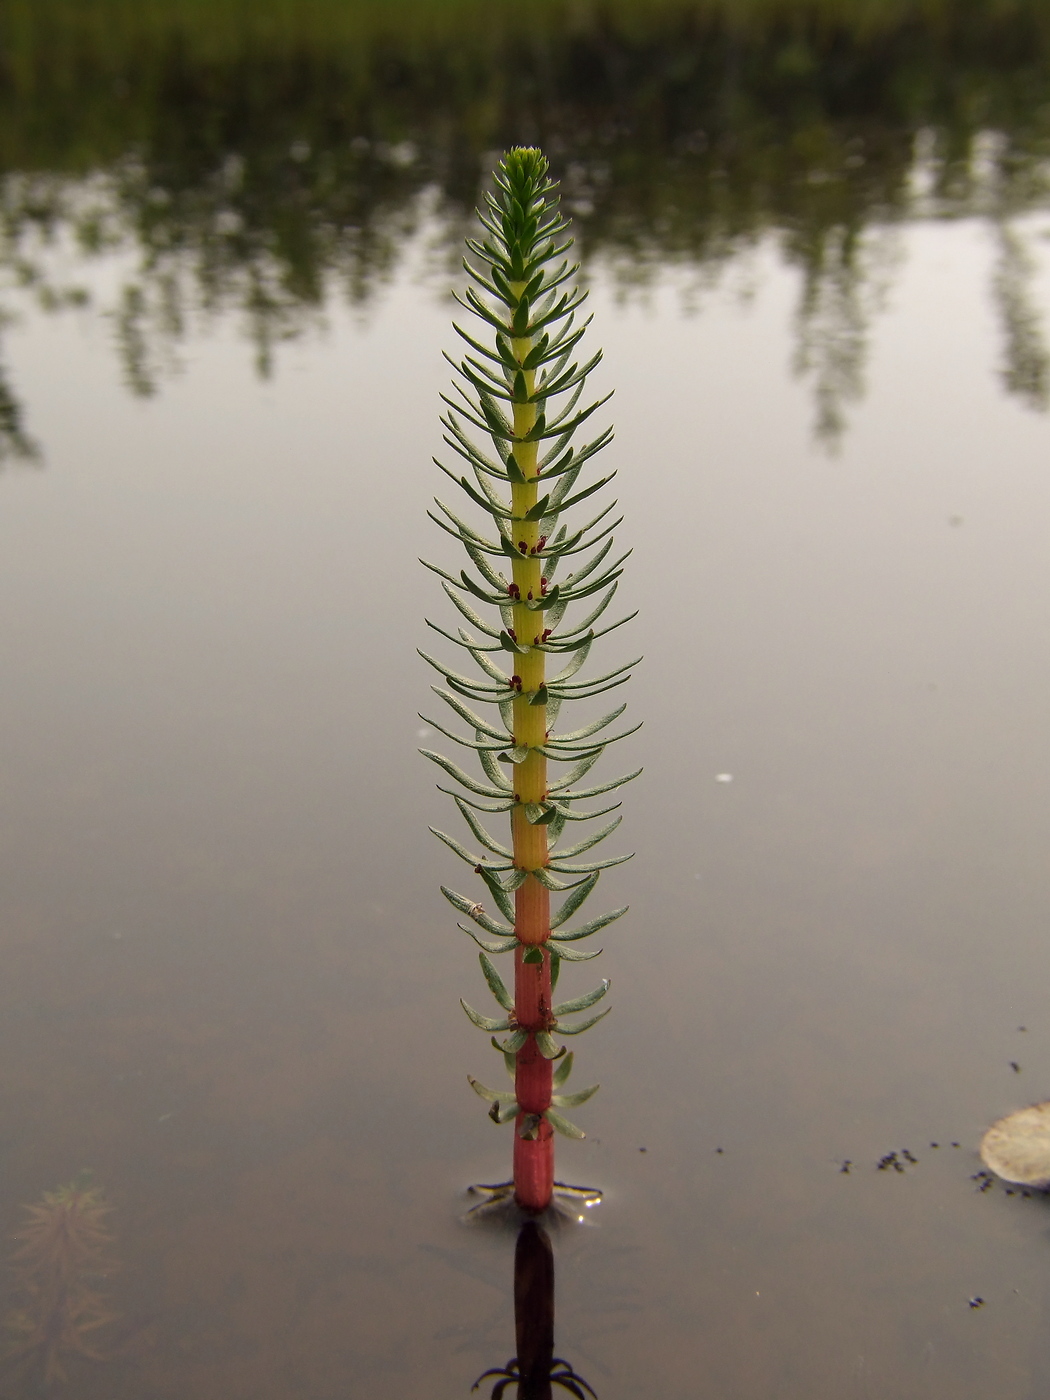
[534, 1155]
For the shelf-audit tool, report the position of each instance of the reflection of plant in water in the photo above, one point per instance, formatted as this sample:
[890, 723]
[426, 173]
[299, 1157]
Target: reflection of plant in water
[535, 1370]
[521, 387]
[63, 1250]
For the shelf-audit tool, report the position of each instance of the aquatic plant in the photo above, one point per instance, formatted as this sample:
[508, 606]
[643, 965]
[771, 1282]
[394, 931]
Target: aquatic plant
[63, 1249]
[522, 389]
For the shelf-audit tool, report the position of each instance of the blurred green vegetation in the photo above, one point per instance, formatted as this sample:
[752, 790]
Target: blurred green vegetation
[263, 152]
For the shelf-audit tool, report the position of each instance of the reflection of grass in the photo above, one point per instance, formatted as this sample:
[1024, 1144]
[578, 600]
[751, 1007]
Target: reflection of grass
[62, 1251]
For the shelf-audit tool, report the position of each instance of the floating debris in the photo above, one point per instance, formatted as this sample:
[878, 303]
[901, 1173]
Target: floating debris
[976, 1302]
[1017, 1147]
[896, 1161]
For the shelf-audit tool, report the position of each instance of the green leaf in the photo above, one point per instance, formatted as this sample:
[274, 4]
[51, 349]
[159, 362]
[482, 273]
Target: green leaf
[516, 755]
[503, 946]
[597, 791]
[581, 846]
[512, 1044]
[484, 1023]
[582, 1026]
[499, 893]
[578, 1003]
[476, 911]
[454, 845]
[514, 472]
[575, 954]
[504, 1112]
[539, 697]
[573, 901]
[453, 678]
[483, 836]
[573, 1100]
[588, 729]
[574, 774]
[539, 813]
[545, 878]
[539, 510]
[563, 1070]
[489, 806]
[563, 1126]
[546, 1046]
[475, 721]
[494, 772]
[592, 926]
[555, 962]
[482, 1092]
[590, 866]
[541, 604]
[532, 956]
[528, 1129]
[508, 643]
[499, 991]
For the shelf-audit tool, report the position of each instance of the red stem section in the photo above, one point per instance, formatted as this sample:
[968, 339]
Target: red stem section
[534, 1155]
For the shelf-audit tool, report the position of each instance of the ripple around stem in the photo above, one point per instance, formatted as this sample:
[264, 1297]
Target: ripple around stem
[495, 1205]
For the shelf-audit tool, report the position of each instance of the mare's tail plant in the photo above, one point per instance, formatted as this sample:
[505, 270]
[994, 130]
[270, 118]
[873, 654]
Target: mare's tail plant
[521, 386]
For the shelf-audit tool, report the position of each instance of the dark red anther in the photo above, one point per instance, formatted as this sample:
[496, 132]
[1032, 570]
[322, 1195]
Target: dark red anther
[546, 633]
[516, 682]
[512, 634]
[530, 592]
[523, 546]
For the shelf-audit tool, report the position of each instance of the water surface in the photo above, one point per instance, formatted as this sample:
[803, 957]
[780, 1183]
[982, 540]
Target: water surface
[230, 982]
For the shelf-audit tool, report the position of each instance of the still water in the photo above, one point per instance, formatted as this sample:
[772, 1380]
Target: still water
[230, 983]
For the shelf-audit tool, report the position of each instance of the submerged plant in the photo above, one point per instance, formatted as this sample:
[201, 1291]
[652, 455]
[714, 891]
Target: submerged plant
[522, 388]
[62, 1252]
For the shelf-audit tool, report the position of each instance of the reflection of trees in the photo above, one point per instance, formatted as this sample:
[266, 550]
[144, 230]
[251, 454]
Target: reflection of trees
[14, 443]
[844, 277]
[262, 172]
[1026, 372]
